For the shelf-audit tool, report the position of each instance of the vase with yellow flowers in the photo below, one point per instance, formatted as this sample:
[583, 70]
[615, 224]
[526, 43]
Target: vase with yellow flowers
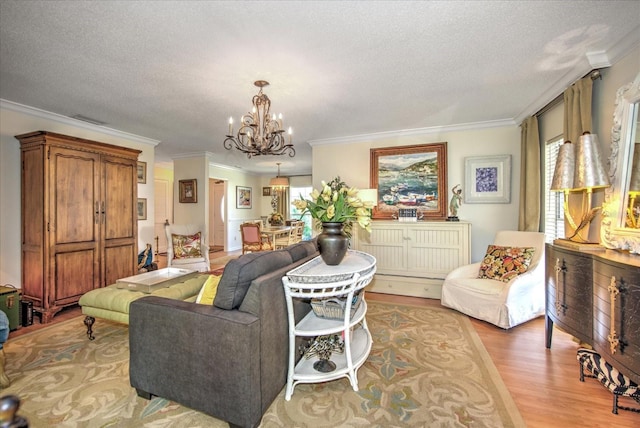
[336, 207]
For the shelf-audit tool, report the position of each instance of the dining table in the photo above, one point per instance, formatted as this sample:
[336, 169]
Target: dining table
[274, 232]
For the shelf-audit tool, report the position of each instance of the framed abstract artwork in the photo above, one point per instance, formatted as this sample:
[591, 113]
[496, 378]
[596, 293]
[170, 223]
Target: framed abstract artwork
[487, 179]
[410, 177]
[243, 197]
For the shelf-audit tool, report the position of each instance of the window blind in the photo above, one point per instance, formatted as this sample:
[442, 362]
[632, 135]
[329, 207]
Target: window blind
[553, 201]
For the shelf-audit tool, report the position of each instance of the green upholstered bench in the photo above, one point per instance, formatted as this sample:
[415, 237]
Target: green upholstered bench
[112, 303]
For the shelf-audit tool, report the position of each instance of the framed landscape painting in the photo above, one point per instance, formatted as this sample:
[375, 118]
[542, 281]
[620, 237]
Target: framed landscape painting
[487, 179]
[410, 177]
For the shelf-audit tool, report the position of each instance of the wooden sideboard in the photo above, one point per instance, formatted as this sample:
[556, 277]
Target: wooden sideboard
[595, 296]
[413, 258]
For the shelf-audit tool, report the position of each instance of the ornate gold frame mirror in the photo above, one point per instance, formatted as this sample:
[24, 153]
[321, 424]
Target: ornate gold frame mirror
[617, 229]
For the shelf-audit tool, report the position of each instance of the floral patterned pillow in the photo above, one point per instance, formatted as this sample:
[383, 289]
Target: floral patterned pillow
[505, 263]
[186, 246]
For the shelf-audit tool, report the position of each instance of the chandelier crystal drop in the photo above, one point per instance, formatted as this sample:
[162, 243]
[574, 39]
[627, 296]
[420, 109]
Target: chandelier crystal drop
[260, 132]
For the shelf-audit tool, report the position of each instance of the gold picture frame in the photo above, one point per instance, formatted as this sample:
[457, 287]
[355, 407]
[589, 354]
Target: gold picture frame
[142, 172]
[410, 177]
[142, 208]
[188, 191]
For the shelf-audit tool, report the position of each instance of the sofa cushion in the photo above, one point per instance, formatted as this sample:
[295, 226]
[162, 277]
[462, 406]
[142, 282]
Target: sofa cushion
[505, 263]
[302, 249]
[186, 246]
[239, 273]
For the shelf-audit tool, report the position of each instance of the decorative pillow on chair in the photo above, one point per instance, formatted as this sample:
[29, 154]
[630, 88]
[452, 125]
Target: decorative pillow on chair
[186, 246]
[505, 263]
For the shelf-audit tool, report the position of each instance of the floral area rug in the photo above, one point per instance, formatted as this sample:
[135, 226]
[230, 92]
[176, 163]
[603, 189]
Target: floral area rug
[427, 368]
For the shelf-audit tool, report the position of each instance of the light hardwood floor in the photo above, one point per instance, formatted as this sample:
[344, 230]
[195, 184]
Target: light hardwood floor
[544, 383]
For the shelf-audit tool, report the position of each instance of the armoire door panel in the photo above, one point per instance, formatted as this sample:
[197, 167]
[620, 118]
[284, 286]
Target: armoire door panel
[119, 262]
[75, 274]
[32, 201]
[75, 192]
[118, 179]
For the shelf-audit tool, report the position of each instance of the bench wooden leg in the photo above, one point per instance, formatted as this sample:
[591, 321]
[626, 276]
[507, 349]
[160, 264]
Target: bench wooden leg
[88, 321]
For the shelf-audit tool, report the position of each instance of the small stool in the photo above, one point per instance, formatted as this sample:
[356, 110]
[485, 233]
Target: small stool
[609, 377]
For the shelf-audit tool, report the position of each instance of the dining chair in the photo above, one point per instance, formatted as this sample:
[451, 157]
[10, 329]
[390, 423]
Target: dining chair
[252, 238]
[286, 240]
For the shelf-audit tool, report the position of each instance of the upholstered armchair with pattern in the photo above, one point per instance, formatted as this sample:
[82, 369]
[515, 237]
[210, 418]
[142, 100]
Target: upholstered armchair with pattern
[187, 247]
[507, 287]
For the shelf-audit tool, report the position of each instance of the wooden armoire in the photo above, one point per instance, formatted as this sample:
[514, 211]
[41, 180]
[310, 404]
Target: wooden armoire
[79, 218]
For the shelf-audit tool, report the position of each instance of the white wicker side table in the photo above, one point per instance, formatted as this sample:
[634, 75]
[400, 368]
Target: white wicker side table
[316, 280]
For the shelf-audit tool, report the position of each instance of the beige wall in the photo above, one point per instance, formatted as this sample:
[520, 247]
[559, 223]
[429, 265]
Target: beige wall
[16, 120]
[351, 163]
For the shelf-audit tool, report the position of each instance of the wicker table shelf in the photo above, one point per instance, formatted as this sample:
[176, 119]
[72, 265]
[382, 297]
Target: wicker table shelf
[316, 280]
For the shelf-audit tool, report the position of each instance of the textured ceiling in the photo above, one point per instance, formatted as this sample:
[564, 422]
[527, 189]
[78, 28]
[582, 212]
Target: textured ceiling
[175, 71]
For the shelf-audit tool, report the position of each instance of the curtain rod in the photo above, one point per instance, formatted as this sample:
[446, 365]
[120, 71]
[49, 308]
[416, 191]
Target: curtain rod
[595, 74]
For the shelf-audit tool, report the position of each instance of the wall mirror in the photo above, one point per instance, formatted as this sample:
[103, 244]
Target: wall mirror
[621, 211]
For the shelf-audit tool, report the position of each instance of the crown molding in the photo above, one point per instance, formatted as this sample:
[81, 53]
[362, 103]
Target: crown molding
[412, 132]
[43, 114]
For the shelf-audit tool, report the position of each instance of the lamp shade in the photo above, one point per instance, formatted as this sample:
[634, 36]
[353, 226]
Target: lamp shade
[589, 171]
[279, 182]
[634, 181]
[565, 165]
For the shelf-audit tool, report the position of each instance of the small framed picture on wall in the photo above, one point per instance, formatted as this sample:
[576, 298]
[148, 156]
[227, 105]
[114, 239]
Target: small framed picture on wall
[266, 191]
[487, 179]
[188, 191]
[243, 197]
[142, 172]
[142, 208]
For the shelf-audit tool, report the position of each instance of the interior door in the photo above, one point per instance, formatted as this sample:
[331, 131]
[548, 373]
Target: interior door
[219, 220]
[162, 213]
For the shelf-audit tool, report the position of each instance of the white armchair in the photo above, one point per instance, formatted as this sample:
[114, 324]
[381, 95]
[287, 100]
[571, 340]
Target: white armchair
[186, 251]
[505, 304]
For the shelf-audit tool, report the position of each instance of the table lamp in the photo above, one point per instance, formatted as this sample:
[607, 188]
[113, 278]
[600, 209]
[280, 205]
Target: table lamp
[579, 169]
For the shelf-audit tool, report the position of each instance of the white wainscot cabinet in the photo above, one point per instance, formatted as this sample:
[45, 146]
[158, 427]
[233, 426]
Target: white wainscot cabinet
[413, 258]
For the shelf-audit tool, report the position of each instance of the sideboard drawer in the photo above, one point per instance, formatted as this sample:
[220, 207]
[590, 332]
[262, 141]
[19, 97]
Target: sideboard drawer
[569, 296]
[617, 326]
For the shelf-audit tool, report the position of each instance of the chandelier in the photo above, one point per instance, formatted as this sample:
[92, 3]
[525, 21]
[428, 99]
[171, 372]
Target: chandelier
[260, 133]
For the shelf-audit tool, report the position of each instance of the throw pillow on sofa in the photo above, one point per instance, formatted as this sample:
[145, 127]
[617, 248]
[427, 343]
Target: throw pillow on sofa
[209, 290]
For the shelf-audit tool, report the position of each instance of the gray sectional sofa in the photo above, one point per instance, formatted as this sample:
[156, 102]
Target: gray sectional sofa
[228, 360]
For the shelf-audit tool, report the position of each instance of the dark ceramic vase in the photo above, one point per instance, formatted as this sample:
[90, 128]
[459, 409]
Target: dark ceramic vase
[333, 243]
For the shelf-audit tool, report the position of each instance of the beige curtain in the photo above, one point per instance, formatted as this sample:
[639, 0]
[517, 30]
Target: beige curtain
[577, 119]
[577, 109]
[283, 203]
[529, 215]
